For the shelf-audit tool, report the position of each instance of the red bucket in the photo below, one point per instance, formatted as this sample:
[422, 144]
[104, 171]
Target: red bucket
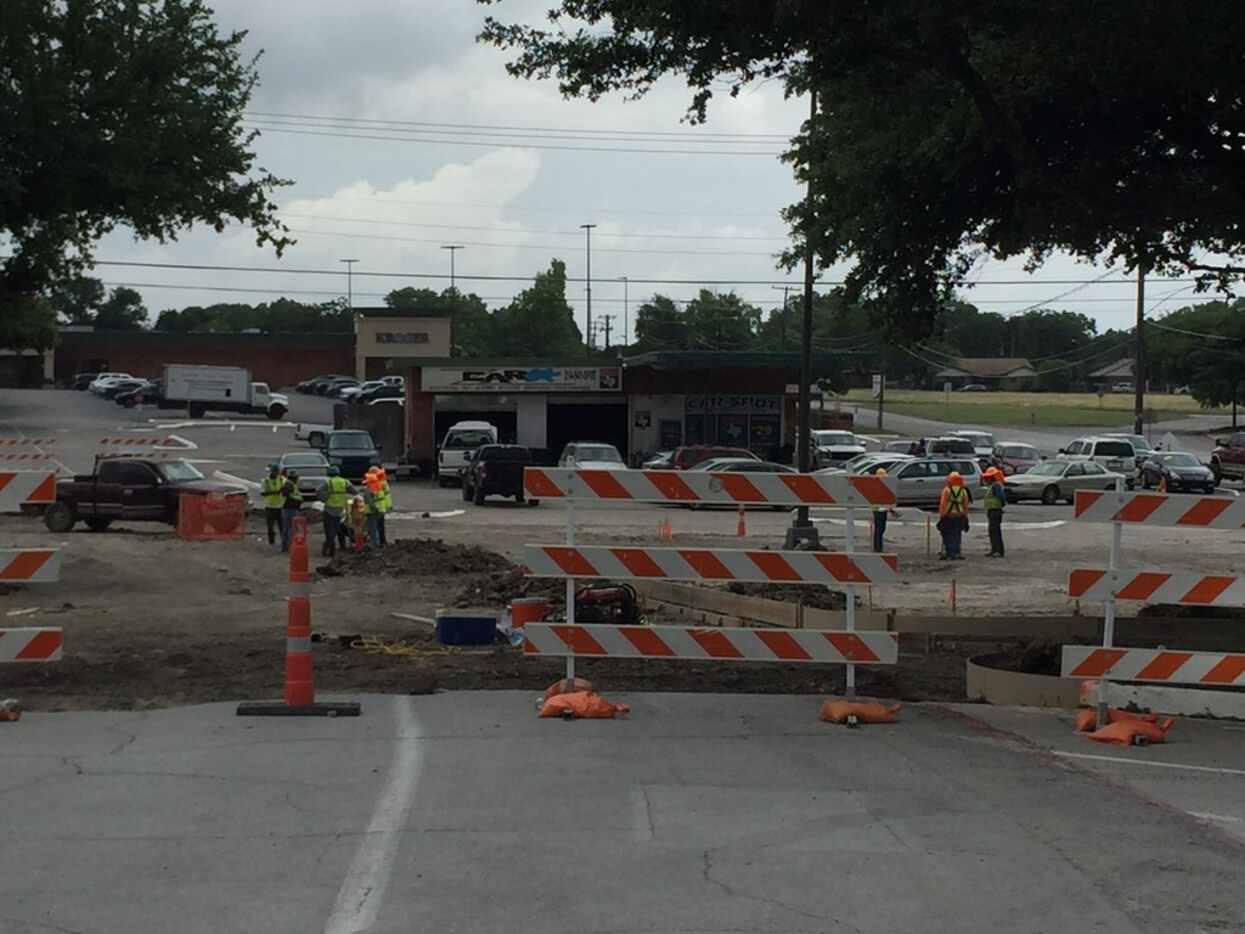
[524, 610]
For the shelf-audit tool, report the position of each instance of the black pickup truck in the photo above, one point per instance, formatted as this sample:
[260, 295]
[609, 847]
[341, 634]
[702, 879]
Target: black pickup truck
[495, 470]
[129, 489]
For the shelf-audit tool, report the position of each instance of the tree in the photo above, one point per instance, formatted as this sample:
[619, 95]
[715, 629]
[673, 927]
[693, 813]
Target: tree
[539, 321]
[721, 322]
[76, 300]
[473, 332]
[659, 325]
[120, 112]
[122, 311]
[953, 128]
[27, 323]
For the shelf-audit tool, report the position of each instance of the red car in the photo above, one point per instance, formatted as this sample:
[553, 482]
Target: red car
[688, 456]
[1014, 458]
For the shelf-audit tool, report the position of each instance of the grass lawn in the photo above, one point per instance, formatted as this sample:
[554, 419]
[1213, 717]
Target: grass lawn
[1055, 409]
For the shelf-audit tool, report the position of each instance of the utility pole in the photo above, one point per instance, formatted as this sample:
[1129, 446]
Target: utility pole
[626, 311]
[803, 532]
[607, 319]
[453, 248]
[782, 321]
[1139, 361]
[349, 283]
[882, 387]
[587, 229]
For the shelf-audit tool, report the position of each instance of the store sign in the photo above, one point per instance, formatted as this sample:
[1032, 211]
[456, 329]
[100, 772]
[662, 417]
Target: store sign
[727, 403]
[521, 379]
[401, 337]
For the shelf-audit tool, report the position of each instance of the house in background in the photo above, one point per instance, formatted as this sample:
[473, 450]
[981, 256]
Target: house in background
[1121, 371]
[992, 372]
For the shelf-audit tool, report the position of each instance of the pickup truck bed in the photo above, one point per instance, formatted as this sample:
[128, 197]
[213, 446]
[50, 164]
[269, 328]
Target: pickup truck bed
[496, 470]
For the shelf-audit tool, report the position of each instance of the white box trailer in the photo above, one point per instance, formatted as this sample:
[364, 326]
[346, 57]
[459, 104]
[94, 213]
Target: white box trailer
[218, 388]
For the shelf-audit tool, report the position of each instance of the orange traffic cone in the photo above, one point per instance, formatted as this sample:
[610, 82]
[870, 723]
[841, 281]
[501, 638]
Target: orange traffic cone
[951, 596]
[741, 526]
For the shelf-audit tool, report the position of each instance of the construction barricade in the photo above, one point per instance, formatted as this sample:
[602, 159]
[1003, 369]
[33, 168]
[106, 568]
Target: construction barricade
[836, 570]
[1151, 585]
[23, 489]
[30, 565]
[211, 516]
[33, 644]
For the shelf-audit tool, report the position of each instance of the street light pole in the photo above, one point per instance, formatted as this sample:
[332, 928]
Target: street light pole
[626, 308]
[453, 248]
[587, 229]
[349, 282]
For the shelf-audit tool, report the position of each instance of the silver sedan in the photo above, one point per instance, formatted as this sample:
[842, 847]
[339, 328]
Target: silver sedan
[1053, 481]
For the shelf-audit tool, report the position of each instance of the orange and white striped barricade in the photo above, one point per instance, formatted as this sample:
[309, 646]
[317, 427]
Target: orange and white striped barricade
[32, 644]
[171, 442]
[1113, 583]
[30, 565]
[10, 442]
[19, 488]
[841, 571]
[299, 694]
[1182, 588]
[24, 457]
[1165, 666]
[716, 644]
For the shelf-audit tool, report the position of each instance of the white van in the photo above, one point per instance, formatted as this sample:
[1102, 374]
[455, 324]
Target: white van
[1115, 454]
[462, 438]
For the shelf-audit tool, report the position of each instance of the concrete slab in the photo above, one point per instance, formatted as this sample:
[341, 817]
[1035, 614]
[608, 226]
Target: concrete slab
[464, 812]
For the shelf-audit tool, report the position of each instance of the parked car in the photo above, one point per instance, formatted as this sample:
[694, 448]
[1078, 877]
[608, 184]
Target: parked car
[316, 384]
[82, 381]
[461, 439]
[1139, 442]
[351, 393]
[142, 395]
[974, 387]
[394, 380]
[495, 470]
[833, 447]
[1059, 480]
[950, 445]
[689, 456]
[352, 451]
[1180, 471]
[888, 462]
[862, 462]
[330, 386]
[920, 480]
[383, 391]
[1122, 387]
[103, 379]
[1227, 460]
[335, 389]
[1116, 454]
[312, 467]
[591, 455]
[129, 489]
[982, 441]
[659, 461]
[117, 386]
[388, 400]
[899, 446]
[1013, 458]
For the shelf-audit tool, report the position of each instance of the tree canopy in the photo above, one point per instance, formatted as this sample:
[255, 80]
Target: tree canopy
[952, 129]
[119, 112]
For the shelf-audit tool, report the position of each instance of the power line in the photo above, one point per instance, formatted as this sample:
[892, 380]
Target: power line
[781, 137]
[516, 145]
[771, 215]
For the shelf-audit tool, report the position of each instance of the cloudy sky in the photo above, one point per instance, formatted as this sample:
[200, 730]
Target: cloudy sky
[403, 135]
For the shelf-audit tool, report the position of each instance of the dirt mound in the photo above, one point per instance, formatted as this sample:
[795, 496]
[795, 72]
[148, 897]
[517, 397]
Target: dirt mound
[418, 557]
[500, 589]
[816, 597]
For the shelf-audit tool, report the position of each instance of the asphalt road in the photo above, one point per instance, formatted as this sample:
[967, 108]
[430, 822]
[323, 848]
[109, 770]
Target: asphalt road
[462, 812]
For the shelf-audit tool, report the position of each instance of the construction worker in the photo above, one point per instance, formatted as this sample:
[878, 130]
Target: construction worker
[384, 502]
[291, 506]
[334, 493]
[270, 489]
[952, 517]
[880, 514]
[995, 502]
[372, 497]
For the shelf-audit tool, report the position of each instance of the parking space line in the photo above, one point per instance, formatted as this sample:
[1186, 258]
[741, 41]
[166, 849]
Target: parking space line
[1157, 765]
[363, 890]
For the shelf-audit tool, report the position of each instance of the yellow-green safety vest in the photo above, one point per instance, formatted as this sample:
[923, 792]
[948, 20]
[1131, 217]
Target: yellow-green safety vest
[957, 501]
[339, 492]
[384, 501]
[271, 489]
[296, 496]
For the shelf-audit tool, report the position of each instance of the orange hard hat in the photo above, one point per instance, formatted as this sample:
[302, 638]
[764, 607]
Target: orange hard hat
[880, 472]
[955, 479]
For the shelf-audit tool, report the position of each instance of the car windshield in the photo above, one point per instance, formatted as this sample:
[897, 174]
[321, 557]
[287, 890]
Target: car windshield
[951, 446]
[469, 438]
[828, 438]
[351, 440]
[1020, 450]
[179, 470]
[1180, 460]
[598, 452]
[301, 461]
[1046, 470]
[1113, 449]
[859, 460]
[981, 439]
[1138, 442]
[898, 447]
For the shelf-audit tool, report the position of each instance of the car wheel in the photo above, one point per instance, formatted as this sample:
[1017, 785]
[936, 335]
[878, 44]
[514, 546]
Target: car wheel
[59, 517]
[276, 412]
[98, 525]
[478, 497]
[197, 410]
[1217, 471]
[1050, 495]
[520, 498]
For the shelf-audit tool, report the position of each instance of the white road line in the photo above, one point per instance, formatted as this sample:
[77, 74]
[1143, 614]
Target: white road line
[1157, 765]
[1221, 818]
[363, 890]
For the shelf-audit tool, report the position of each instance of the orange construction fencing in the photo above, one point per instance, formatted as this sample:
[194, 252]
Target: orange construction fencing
[211, 517]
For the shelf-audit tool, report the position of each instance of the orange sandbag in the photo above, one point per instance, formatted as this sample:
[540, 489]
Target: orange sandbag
[1124, 732]
[583, 705]
[563, 687]
[837, 711]
[1087, 720]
